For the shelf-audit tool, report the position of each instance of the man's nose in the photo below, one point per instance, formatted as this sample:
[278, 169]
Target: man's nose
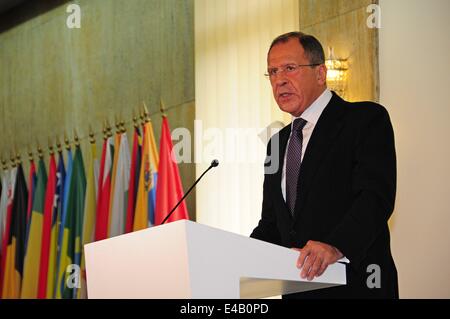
[280, 80]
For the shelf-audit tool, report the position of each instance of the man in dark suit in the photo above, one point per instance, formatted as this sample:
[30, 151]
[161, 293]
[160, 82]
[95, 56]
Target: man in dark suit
[334, 189]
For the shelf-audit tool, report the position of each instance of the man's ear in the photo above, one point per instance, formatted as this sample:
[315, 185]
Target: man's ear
[322, 74]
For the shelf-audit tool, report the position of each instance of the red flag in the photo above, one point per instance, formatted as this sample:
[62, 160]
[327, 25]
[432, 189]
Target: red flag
[134, 178]
[46, 229]
[98, 230]
[169, 189]
[104, 184]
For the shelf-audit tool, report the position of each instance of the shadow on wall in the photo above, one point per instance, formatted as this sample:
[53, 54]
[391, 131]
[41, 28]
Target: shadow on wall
[15, 12]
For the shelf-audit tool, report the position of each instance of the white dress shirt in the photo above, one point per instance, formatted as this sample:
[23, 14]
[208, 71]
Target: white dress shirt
[311, 115]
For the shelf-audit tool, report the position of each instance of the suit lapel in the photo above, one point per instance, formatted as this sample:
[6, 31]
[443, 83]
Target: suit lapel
[324, 134]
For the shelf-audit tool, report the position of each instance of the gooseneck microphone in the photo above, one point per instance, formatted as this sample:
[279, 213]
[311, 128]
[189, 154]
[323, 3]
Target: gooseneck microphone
[214, 163]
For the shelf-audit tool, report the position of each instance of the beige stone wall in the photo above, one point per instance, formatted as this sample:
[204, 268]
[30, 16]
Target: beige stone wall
[342, 25]
[414, 78]
[54, 79]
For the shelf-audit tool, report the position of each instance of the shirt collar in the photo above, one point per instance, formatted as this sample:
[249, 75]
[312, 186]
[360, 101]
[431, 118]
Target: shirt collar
[313, 112]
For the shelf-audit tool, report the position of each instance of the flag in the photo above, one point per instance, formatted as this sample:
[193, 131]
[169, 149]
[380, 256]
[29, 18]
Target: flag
[7, 231]
[91, 199]
[16, 239]
[134, 179]
[6, 181]
[31, 188]
[3, 204]
[89, 217]
[145, 202]
[120, 194]
[104, 188]
[68, 280]
[56, 221]
[62, 219]
[169, 188]
[99, 230]
[47, 230]
[33, 252]
[31, 183]
[115, 161]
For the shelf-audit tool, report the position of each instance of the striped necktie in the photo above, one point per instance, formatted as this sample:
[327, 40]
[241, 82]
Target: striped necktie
[293, 161]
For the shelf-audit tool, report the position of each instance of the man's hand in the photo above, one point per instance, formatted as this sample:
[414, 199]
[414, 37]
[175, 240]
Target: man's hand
[315, 257]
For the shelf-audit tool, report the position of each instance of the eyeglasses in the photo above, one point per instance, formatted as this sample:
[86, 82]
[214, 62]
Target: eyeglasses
[288, 68]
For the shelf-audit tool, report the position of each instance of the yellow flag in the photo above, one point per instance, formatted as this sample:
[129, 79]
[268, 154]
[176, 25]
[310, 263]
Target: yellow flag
[147, 183]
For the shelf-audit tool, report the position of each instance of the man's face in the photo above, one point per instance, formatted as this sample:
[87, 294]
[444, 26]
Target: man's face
[295, 91]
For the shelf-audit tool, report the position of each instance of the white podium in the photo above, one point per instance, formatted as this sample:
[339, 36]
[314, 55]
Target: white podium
[185, 259]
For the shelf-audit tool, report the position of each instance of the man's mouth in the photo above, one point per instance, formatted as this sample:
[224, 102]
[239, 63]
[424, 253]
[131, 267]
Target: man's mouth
[284, 95]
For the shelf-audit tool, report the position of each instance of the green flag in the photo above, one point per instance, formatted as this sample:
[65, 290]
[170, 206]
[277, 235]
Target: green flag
[69, 269]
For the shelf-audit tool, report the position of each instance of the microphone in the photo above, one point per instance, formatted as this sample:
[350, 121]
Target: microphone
[214, 163]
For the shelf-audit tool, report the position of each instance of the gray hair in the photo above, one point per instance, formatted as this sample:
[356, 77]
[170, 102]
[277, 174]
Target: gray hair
[313, 48]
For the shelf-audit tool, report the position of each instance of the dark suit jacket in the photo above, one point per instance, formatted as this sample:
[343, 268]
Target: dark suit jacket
[345, 196]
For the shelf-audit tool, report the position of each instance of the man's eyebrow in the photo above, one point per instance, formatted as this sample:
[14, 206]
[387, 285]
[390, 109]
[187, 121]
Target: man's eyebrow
[285, 64]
